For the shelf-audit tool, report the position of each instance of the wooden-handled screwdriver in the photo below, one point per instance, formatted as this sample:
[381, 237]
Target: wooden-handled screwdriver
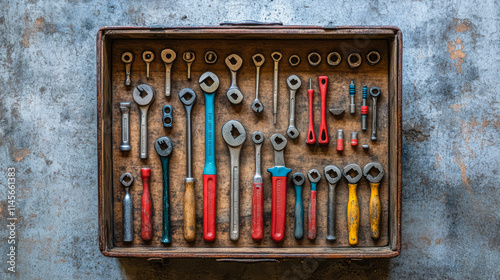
[375, 207]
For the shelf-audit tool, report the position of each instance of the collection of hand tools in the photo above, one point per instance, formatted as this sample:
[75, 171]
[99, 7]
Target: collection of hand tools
[234, 135]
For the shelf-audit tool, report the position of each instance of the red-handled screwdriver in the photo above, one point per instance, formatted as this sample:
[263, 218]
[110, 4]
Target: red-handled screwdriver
[324, 139]
[311, 135]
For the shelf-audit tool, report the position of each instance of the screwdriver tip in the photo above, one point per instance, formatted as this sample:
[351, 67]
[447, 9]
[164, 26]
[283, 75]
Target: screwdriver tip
[310, 83]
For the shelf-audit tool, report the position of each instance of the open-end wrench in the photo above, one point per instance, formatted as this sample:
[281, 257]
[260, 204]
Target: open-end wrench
[374, 92]
[188, 98]
[298, 183]
[127, 59]
[353, 173]
[276, 56]
[143, 95]
[168, 56]
[311, 135]
[146, 206]
[279, 173]
[234, 94]
[148, 57]
[323, 137]
[163, 147]
[375, 206]
[258, 190]
[209, 83]
[189, 57]
[258, 60]
[128, 227]
[332, 176]
[314, 176]
[125, 110]
[293, 83]
[234, 135]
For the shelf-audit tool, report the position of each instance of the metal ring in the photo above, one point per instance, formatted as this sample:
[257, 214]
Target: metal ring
[333, 59]
[314, 55]
[373, 57]
[354, 60]
[211, 57]
[294, 60]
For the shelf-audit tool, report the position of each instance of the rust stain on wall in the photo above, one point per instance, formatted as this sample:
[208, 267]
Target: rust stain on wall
[455, 48]
[463, 170]
[19, 154]
[456, 107]
[31, 30]
[462, 25]
[438, 160]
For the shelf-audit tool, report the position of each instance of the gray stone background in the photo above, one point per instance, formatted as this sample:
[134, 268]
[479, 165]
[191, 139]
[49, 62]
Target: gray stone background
[451, 217]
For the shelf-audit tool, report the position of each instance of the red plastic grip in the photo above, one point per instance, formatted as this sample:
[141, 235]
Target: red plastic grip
[146, 206]
[311, 135]
[257, 212]
[278, 214]
[323, 137]
[209, 206]
[340, 145]
[354, 142]
[312, 217]
[364, 110]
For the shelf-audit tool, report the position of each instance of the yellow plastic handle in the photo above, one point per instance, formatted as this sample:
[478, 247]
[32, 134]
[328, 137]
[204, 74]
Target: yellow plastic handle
[375, 211]
[353, 215]
[189, 212]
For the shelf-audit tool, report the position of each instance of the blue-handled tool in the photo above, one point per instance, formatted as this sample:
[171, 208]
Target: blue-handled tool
[298, 183]
[163, 147]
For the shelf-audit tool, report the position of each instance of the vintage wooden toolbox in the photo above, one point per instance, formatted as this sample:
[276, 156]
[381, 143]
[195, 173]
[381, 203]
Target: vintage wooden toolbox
[247, 40]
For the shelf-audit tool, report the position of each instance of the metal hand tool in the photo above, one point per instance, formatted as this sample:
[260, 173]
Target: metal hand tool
[340, 140]
[127, 59]
[352, 92]
[353, 173]
[125, 109]
[311, 135]
[146, 206]
[374, 92]
[168, 56]
[333, 59]
[276, 56]
[332, 176]
[258, 190]
[188, 57]
[373, 57]
[293, 83]
[188, 98]
[279, 173]
[210, 57]
[209, 83]
[163, 147]
[323, 137]
[354, 60]
[354, 139]
[234, 63]
[128, 227]
[258, 60]
[298, 183]
[148, 57]
[143, 95]
[375, 206]
[314, 176]
[336, 111]
[294, 60]
[314, 59]
[364, 110]
[167, 116]
[234, 135]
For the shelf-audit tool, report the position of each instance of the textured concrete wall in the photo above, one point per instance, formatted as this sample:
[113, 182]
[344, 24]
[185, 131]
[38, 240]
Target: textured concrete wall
[451, 216]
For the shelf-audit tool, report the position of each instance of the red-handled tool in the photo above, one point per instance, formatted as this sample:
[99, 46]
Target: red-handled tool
[340, 140]
[311, 135]
[146, 206]
[258, 191]
[324, 139]
[314, 177]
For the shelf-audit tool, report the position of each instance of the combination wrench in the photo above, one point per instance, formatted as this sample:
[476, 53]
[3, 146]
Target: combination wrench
[128, 230]
[332, 176]
[276, 56]
[314, 176]
[323, 138]
[234, 94]
[234, 135]
[375, 206]
[293, 83]
[257, 190]
[163, 147]
[146, 206]
[143, 95]
[298, 183]
[125, 110]
[353, 173]
[209, 83]
[168, 56]
[258, 60]
[374, 92]
[188, 98]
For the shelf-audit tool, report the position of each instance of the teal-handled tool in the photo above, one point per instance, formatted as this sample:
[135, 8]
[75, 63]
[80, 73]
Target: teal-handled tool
[298, 183]
[164, 147]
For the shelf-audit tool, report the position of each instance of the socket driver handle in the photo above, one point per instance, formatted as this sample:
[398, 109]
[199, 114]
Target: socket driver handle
[353, 215]
[324, 139]
[146, 206]
[209, 200]
[209, 172]
[189, 210]
[330, 227]
[165, 239]
[311, 229]
[128, 229]
[299, 213]
[143, 151]
[375, 210]
[234, 216]
[257, 211]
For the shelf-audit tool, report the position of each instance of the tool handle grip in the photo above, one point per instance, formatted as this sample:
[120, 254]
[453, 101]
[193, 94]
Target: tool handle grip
[323, 137]
[299, 214]
[257, 212]
[353, 215]
[165, 239]
[146, 206]
[209, 206]
[278, 214]
[311, 135]
[189, 211]
[330, 236]
[311, 234]
[128, 226]
[375, 211]
[143, 151]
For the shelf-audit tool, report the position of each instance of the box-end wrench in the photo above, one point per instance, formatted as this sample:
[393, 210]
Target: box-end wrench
[146, 206]
[188, 98]
[279, 173]
[188, 57]
[298, 183]
[234, 135]
[148, 57]
[314, 176]
[125, 110]
[258, 60]
[234, 94]
[375, 206]
[323, 137]
[168, 56]
[353, 173]
[332, 176]
[311, 135]
[209, 83]
[257, 190]
[293, 83]
[163, 147]
[276, 56]
[374, 92]
[127, 59]
[143, 95]
[128, 227]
